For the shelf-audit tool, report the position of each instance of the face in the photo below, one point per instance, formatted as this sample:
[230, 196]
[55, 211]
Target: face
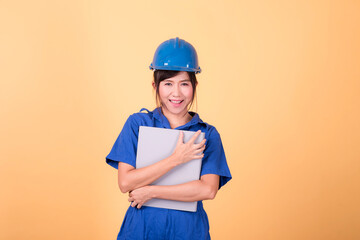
[176, 93]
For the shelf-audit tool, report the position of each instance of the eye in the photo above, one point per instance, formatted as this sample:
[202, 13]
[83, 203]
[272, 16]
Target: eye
[185, 84]
[167, 84]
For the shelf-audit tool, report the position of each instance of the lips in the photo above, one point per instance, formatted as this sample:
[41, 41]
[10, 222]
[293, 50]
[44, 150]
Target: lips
[176, 101]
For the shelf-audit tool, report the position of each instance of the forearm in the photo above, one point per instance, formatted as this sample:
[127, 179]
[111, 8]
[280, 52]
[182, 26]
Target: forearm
[187, 192]
[136, 178]
[130, 178]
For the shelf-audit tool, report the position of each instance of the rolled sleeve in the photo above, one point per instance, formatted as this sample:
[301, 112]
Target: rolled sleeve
[125, 146]
[214, 160]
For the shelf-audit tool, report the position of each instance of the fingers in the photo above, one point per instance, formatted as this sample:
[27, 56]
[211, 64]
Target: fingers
[200, 145]
[200, 150]
[181, 138]
[198, 156]
[199, 153]
[194, 137]
[135, 204]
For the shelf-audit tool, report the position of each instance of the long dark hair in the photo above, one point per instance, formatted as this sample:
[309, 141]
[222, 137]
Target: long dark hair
[160, 75]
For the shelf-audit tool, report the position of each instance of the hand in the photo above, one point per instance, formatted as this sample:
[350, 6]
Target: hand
[185, 152]
[140, 196]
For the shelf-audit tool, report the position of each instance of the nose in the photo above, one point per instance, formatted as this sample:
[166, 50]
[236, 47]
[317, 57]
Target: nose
[176, 91]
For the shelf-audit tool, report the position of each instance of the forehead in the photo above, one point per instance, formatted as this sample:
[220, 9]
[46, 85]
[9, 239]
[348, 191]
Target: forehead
[182, 76]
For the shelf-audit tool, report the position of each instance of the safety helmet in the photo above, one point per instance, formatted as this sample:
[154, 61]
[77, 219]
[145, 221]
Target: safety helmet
[175, 54]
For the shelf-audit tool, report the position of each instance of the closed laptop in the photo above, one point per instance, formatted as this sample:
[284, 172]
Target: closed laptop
[155, 144]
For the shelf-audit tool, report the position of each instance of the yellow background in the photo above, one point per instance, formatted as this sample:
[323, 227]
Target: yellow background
[280, 81]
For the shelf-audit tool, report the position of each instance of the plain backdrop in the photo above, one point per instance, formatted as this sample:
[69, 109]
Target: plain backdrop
[280, 82]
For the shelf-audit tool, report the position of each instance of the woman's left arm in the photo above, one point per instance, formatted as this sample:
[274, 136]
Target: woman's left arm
[203, 189]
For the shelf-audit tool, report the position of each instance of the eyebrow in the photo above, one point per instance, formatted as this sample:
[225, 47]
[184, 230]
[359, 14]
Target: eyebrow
[167, 80]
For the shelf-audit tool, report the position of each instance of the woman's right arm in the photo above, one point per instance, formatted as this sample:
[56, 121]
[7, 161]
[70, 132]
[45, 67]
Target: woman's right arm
[130, 178]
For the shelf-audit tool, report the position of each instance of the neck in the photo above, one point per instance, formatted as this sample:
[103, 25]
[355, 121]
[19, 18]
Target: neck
[176, 120]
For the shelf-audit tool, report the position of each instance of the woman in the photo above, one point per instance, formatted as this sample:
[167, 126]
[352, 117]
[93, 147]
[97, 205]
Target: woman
[175, 65]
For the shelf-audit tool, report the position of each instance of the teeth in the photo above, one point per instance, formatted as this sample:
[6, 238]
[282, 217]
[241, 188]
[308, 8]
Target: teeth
[175, 101]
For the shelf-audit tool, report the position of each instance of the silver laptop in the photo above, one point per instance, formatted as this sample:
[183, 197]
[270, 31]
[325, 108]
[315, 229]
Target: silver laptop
[155, 144]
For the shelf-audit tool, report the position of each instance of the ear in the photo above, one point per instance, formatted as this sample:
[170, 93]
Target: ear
[153, 84]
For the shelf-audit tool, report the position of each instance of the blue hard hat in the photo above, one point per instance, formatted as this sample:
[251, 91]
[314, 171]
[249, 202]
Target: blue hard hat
[177, 55]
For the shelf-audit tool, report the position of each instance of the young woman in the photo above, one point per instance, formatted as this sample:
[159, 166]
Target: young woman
[175, 64]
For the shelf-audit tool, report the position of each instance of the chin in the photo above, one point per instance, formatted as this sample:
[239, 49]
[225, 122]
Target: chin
[176, 110]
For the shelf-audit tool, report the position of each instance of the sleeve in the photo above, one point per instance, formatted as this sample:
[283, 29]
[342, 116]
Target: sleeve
[125, 146]
[214, 160]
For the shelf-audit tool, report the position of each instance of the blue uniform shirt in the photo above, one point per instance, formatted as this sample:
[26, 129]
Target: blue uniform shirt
[158, 223]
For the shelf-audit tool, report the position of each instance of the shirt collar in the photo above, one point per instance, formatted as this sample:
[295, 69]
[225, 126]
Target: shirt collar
[157, 113]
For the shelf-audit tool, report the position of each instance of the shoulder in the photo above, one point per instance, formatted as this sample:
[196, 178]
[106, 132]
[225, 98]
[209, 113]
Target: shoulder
[140, 118]
[213, 133]
[210, 131]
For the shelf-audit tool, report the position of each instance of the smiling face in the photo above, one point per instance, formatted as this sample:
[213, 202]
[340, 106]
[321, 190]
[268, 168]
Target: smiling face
[176, 93]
